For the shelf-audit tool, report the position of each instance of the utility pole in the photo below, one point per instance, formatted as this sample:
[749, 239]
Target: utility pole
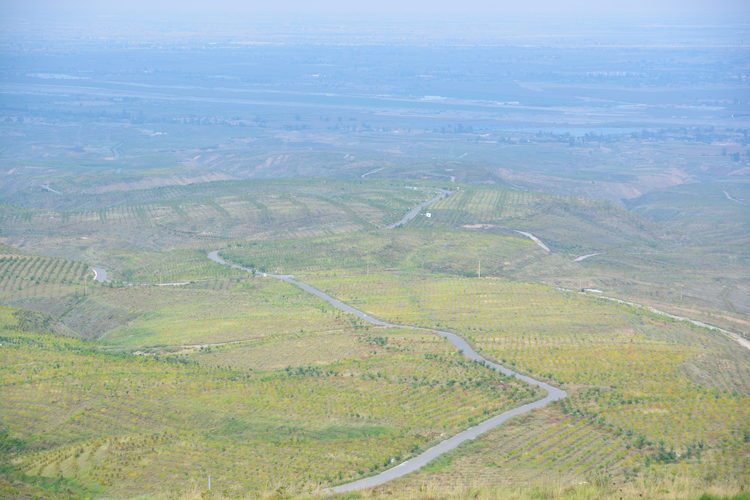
[479, 272]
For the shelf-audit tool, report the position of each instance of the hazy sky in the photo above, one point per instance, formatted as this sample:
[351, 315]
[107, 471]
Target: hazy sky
[646, 8]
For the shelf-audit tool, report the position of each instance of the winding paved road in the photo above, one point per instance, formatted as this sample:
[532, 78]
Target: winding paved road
[553, 393]
[115, 152]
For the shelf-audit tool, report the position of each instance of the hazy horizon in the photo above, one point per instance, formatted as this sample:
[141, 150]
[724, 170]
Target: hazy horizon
[339, 8]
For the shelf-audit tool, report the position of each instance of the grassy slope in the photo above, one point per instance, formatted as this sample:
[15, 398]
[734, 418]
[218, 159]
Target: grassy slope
[95, 227]
[438, 251]
[606, 354]
[124, 423]
[637, 378]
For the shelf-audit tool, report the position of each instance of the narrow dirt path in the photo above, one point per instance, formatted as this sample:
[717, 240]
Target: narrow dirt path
[364, 176]
[584, 257]
[534, 239]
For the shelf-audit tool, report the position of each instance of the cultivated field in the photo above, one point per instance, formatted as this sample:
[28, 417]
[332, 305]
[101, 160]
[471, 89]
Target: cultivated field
[269, 389]
[81, 412]
[657, 387]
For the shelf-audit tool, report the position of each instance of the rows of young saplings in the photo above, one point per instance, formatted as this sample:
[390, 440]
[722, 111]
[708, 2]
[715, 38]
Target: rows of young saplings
[218, 311]
[716, 447]
[554, 446]
[315, 425]
[714, 231]
[279, 351]
[482, 205]
[23, 277]
[212, 214]
[275, 352]
[475, 305]
[658, 379]
[41, 269]
[545, 445]
[32, 276]
[477, 205]
[177, 224]
[399, 359]
[174, 266]
[435, 251]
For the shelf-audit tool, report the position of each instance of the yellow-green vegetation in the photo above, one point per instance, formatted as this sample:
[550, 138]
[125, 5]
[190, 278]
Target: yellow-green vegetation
[210, 311]
[701, 210]
[25, 276]
[155, 219]
[527, 450]
[472, 205]
[175, 265]
[585, 222]
[596, 487]
[628, 255]
[669, 397]
[446, 252]
[692, 252]
[494, 310]
[218, 311]
[128, 424]
[512, 462]
[277, 352]
[269, 389]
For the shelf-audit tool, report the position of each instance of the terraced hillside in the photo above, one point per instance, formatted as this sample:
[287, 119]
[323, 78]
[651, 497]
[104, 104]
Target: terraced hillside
[23, 276]
[254, 381]
[654, 387]
[428, 251]
[81, 413]
[155, 218]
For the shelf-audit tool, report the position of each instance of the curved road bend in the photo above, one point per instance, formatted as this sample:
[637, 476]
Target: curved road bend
[553, 393]
[584, 257]
[100, 274]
